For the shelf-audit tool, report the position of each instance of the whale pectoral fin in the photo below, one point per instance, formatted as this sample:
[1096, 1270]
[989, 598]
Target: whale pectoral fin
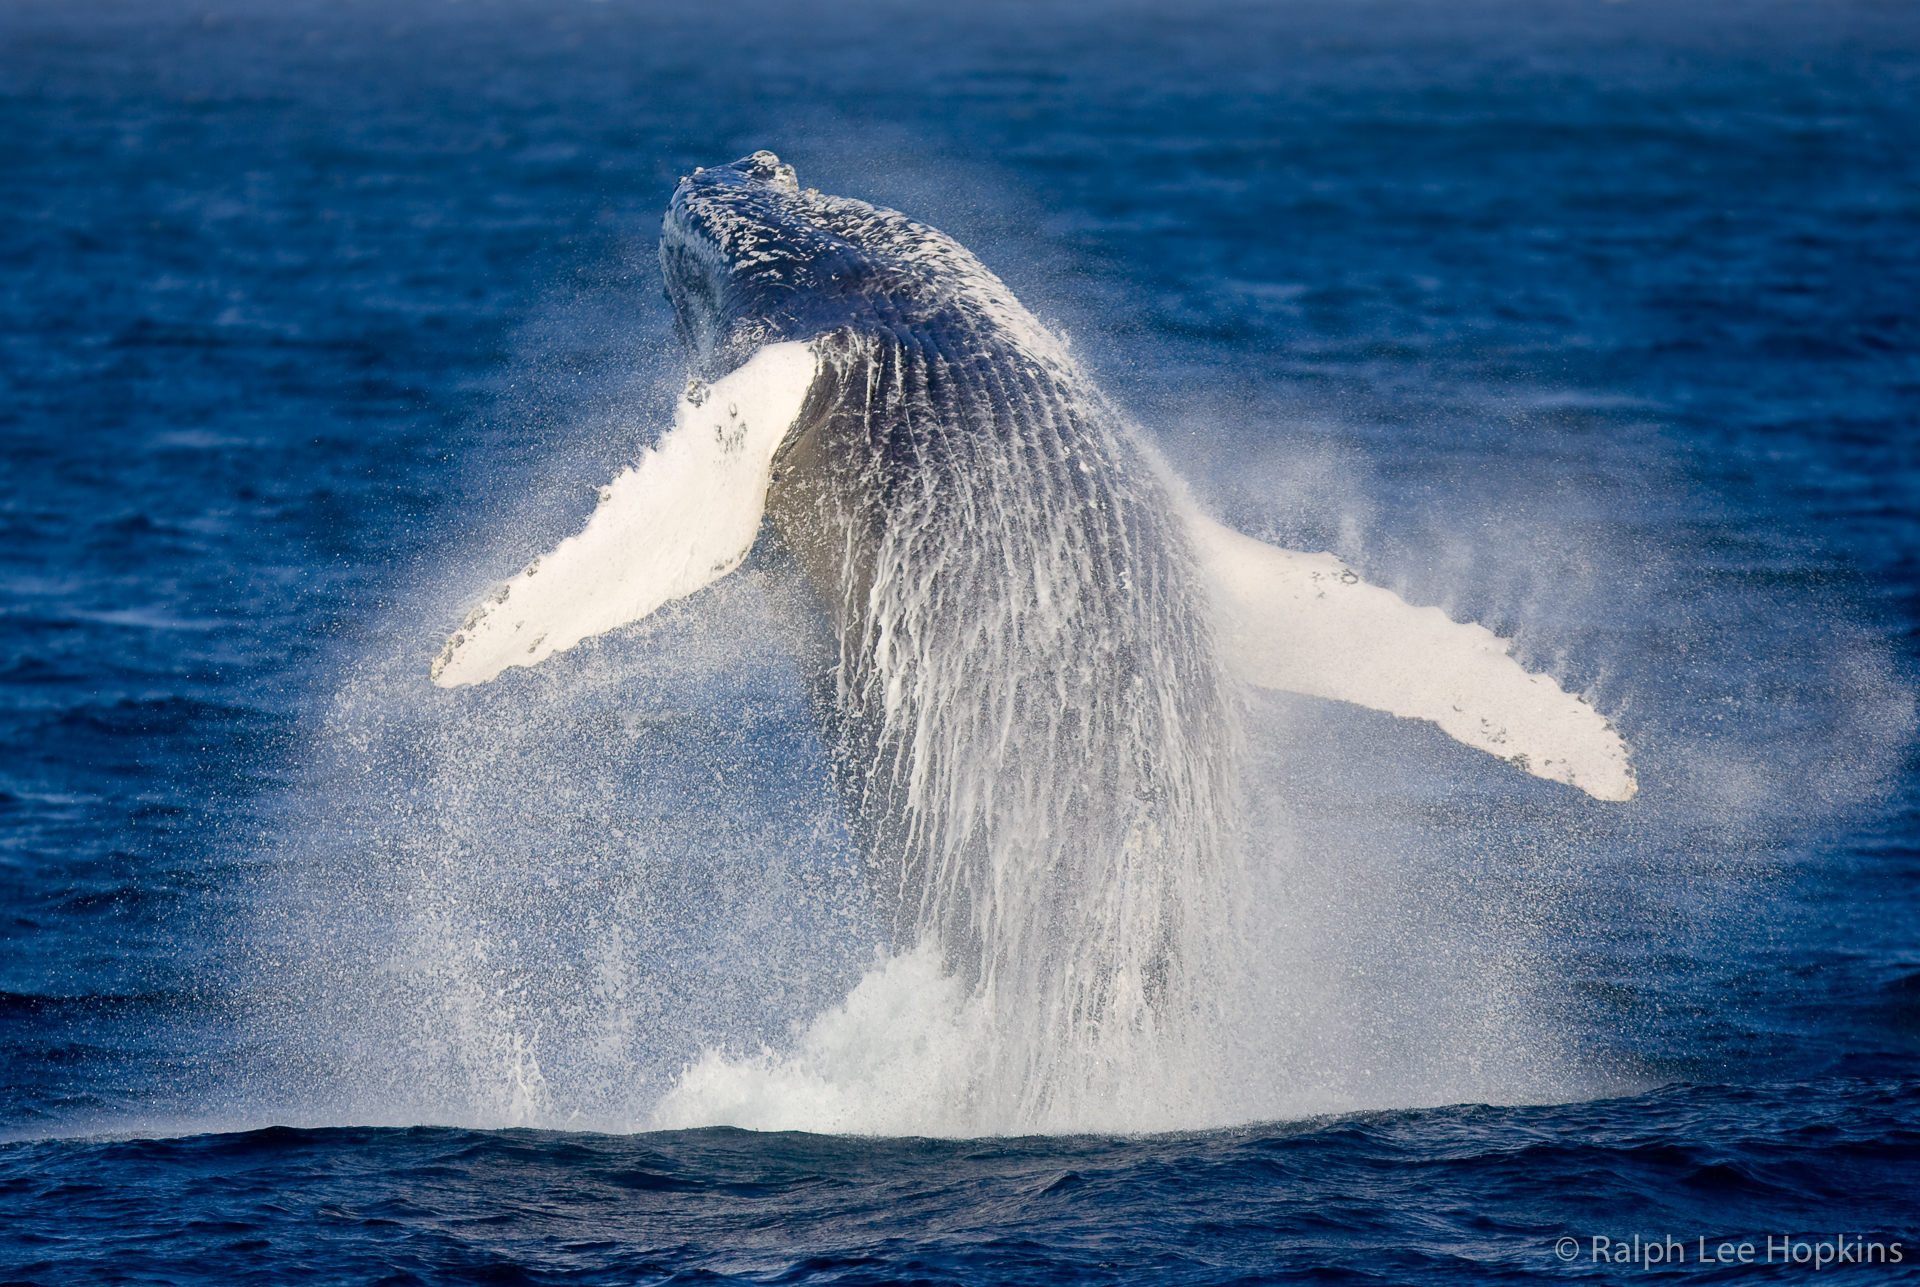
[1308, 624]
[680, 520]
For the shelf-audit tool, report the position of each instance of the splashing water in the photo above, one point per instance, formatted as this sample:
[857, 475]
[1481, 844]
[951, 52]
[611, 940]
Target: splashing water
[613, 890]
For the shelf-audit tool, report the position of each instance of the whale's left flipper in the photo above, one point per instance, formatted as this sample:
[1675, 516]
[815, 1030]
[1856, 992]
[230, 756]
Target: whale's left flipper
[1308, 624]
[680, 520]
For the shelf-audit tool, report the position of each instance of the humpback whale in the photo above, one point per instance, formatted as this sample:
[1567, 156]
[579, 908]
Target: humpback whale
[1032, 709]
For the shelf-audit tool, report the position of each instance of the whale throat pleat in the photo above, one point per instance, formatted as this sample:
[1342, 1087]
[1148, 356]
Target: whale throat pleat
[1029, 728]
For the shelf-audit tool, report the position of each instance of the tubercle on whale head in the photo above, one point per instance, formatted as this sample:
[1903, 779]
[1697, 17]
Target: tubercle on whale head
[769, 169]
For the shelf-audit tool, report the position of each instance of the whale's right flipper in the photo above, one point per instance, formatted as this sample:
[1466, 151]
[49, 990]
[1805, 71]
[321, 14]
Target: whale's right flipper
[682, 519]
[1308, 624]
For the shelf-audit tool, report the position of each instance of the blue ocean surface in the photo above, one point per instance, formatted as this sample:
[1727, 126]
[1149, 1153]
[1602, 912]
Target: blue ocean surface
[1594, 323]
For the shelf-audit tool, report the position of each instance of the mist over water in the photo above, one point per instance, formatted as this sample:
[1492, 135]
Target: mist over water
[619, 891]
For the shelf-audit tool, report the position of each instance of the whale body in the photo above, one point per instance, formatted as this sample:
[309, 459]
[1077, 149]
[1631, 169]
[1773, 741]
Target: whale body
[1031, 712]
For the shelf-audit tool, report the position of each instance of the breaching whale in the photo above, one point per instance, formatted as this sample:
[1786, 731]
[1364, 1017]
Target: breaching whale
[1031, 709]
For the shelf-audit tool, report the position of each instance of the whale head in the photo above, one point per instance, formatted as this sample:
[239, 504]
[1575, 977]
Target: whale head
[746, 260]
[752, 258]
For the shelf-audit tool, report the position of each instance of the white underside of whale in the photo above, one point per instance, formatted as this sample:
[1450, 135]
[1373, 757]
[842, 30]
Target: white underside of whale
[690, 511]
[1307, 623]
[681, 519]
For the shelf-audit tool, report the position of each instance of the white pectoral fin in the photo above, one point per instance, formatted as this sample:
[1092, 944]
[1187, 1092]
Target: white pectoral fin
[1308, 624]
[684, 517]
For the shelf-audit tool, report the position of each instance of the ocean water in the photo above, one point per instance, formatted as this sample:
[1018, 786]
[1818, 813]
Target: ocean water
[1591, 322]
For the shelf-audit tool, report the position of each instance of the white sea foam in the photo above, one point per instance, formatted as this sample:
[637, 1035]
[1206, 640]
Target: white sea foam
[902, 1055]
